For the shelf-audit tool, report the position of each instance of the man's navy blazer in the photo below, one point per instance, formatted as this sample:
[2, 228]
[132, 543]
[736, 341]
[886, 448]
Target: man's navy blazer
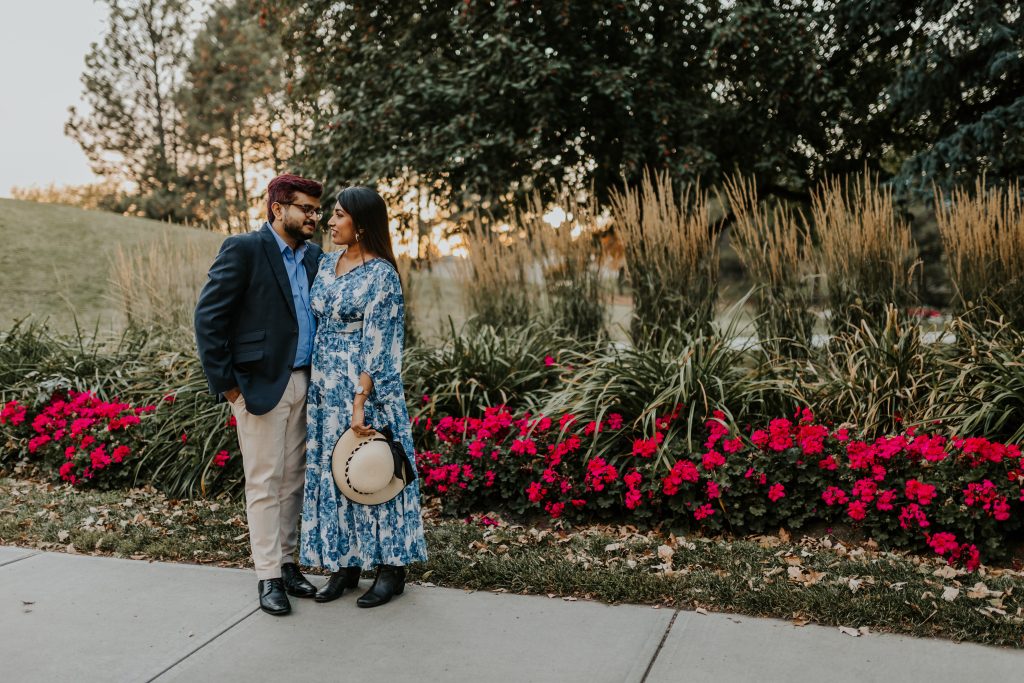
[246, 327]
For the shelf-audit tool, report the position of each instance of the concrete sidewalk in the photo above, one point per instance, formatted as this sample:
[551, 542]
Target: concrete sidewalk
[79, 618]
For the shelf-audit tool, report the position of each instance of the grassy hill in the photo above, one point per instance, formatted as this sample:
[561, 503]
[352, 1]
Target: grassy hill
[58, 262]
[61, 263]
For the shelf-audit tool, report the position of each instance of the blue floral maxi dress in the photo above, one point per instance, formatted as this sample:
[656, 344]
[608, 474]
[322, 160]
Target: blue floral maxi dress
[360, 328]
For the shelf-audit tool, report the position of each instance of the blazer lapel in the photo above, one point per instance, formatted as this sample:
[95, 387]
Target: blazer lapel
[277, 265]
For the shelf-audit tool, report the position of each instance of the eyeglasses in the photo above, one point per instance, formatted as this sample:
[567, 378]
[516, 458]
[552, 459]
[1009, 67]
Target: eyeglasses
[307, 209]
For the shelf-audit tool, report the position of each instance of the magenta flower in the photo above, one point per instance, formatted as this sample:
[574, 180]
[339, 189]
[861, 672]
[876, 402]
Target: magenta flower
[703, 511]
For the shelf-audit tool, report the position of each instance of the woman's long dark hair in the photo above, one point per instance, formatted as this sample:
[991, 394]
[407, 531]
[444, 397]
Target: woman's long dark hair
[370, 214]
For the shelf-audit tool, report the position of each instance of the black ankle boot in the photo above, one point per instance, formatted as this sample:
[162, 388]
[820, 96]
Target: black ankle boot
[390, 581]
[336, 585]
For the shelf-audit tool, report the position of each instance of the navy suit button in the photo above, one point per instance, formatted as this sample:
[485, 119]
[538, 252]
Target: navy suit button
[295, 330]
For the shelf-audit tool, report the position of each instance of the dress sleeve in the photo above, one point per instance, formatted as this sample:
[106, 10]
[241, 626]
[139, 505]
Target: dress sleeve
[380, 351]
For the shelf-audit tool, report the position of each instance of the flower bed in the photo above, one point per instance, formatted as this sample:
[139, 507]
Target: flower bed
[958, 496]
[87, 441]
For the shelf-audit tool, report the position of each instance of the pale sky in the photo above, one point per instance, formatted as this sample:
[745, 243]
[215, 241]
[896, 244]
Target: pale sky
[42, 51]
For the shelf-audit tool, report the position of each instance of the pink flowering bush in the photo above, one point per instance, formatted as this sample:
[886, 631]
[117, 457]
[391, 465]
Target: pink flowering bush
[82, 438]
[958, 497]
[87, 441]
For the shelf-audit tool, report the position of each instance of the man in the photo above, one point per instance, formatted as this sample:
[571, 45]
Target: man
[254, 330]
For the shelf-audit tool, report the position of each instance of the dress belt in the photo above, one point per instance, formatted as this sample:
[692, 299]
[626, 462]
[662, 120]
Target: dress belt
[341, 326]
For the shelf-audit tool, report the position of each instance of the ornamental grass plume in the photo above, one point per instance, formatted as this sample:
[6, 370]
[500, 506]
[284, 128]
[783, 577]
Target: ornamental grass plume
[983, 235]
[157, 284]
[495, 277]
[671, 255]
[866, 251]
[407, 275]
[774, 246]
[571, 258]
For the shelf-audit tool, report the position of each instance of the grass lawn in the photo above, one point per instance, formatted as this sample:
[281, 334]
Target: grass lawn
[808, 580]
[57, 260]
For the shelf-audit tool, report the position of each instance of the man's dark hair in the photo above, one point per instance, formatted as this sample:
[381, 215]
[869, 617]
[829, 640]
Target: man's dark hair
[282, 189]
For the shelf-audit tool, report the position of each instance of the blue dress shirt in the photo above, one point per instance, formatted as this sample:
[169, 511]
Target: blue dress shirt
[300, 297]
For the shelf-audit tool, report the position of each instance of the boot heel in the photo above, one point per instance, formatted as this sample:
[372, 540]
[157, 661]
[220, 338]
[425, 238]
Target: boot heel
[400, 588]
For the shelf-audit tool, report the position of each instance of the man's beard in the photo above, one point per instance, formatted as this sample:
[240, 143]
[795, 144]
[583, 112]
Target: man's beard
[294, 230]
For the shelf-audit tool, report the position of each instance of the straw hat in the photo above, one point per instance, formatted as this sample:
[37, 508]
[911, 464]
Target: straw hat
[367, 469]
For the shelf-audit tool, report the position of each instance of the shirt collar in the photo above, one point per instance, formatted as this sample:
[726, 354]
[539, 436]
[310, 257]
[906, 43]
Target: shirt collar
[282, 245]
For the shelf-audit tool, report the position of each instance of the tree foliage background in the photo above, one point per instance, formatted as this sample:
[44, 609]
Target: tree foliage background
[475, 103]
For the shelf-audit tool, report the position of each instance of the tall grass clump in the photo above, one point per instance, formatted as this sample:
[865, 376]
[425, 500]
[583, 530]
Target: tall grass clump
[775, 248]
[188, 428]
[983, 235]
[407, 275]
[157, 284]
[35, 362]
[874, 377]
[570, 257]
[866, 251]
[481, 366]
[495, 277]
[671, 255]
[690, 372]
[983, 391]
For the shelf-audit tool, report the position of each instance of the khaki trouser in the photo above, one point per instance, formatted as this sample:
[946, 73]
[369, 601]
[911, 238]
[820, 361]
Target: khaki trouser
[274, 460]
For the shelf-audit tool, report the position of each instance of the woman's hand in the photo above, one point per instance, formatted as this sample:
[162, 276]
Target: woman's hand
[359, 421]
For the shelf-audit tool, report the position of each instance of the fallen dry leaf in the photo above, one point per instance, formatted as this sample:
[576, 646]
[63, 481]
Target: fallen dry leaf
[981, 591]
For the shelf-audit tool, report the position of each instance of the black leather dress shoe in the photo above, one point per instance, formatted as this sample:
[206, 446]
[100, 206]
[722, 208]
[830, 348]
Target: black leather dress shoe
[390, 582]
[295, 583]
[336, 585]
[273, 599]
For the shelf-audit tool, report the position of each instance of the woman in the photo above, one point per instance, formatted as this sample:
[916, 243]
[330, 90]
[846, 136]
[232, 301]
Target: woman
[356, 381]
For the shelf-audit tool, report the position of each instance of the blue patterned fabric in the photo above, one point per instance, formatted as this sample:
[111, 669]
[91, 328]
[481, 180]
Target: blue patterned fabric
[360, 328]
